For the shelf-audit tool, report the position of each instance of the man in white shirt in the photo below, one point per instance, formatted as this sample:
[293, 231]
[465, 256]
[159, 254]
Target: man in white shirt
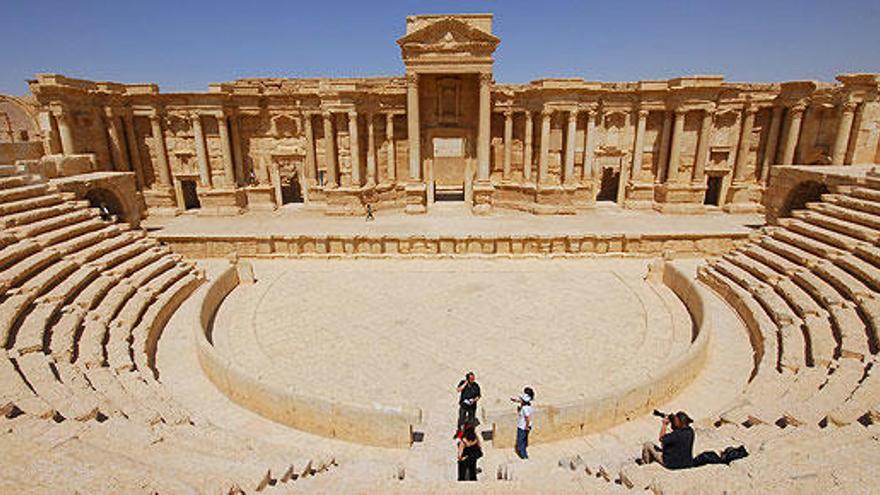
[524, 422]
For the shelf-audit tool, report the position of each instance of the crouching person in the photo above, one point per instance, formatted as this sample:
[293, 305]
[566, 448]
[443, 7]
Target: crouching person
[676, 449]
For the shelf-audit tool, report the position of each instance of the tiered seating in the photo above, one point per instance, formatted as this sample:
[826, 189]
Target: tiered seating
[82, 305]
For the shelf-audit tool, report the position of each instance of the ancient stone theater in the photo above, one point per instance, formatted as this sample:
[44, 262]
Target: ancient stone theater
[276, 285]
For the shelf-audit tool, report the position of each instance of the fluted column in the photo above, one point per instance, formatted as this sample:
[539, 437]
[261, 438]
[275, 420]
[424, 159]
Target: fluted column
[508, 143]
[544, 154]
[412, 125]
[133, 149]
[591, 166]
[703, 141]
[639, 143]
[844, 126]
[354, 147]
[116, 145]
[162, 171]
[795, 117]
[371, 152]
[201, 150]
[330, 151]
[65, 132]
[484, 127]
[226, 151]
[527, 147]
[745, 143]
[391, 148]
[103, 144]
[772, 142]
[663, 156]
[237, 158]
[311, 162]
[675, 148]
[571, 132]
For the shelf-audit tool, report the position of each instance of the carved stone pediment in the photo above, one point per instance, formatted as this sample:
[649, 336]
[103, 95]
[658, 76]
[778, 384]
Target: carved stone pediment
[448, 36]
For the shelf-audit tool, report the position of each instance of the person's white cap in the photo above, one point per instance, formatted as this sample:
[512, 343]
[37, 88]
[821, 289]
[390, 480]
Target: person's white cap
[525, 397]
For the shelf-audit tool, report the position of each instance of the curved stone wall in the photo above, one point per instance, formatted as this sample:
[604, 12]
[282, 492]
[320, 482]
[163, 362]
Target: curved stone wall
[377, 425]
[577, 418]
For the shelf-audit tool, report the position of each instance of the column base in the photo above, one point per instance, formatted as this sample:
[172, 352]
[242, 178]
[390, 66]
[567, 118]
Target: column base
[261, 198]
[344, 201]
[416, 198]
[554, 200]
[483, 191]
[161, 201]
[743, 198]
[680, 198]
[639, 195]
[221, 202]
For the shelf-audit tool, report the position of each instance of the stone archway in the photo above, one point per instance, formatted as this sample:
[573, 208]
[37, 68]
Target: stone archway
[108, 203]
[114, 193]
[21, 118]
[801, 194]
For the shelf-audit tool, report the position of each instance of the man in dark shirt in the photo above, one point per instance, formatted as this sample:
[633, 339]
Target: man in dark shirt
[469, 391]
[676, 449]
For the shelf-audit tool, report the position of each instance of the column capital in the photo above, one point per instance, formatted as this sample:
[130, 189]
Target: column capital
[642, 112]
[849, 106]
[546, 113]
[327, 114]
[485, 78]
[352, 114]
[155, 115]
[750, 110]
[195, 115]
[799, 107]
[679, 111]
[412, 78]
[572, 114]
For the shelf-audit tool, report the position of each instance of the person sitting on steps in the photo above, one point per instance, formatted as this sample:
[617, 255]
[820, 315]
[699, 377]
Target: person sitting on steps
[676, 450]
[469, 451]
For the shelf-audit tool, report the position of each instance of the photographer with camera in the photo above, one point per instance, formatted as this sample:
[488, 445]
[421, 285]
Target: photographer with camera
[676, 450]
[524, 412]
[467, 401]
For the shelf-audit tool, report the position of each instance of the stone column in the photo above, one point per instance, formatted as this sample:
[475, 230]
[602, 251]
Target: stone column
[795, 117]
[119, 162]
[527, 147]
[201, 150]
[544, 154]
[103, 143]
[508, 143]
[133, 149]
[663, 156]
[391, 148]
[354, 146]
[590, 165]
[412, 124]
[226, 150]
[162, 171]
[371, 152]
[772, 141]
[675, 147]
[703, 146]
[65, 132]
[745, 142]
[638, 143]
[329, 151]
[844, 126]
[311, 162]
[238, 159]
[484, 127]
[571, 132]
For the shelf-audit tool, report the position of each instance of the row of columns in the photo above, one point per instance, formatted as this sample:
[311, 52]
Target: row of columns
[231, 157]
[331, 179]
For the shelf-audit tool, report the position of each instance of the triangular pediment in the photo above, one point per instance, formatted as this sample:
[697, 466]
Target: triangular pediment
[447, 33]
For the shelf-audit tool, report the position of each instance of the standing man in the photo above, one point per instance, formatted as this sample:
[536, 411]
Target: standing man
[524, 421]
[469, 391]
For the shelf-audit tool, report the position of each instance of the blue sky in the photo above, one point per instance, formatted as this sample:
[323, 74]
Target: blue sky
[184, 45]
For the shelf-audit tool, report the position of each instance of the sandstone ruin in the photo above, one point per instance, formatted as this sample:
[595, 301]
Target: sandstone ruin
[191, 301]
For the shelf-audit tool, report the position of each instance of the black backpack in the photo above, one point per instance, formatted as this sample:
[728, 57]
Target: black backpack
[731, 454]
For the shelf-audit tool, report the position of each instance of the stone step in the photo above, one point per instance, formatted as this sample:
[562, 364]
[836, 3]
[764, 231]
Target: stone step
[869, 220]
[832, 223]
[24, 192]
[852, 203]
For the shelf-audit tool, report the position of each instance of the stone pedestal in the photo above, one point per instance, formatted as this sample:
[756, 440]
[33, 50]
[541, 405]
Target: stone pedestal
[344, 201]
[416, 198]
[482, 193]
[221, 202]
[639, 195]
[743, 197]
[554, 200]
[680, 198]
[261, 198]
[161, 201]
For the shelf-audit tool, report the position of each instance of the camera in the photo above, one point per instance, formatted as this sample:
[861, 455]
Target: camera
[661, 414]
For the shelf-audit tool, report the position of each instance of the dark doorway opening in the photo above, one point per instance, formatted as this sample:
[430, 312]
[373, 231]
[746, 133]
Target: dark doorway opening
[608, 186]
[107, 203]
[800, 195]
[448, 193]
[291, 190]
[190, 194]
[713, 190]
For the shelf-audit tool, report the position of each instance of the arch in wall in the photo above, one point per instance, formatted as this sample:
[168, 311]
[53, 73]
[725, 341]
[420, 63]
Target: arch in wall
[108, 201]
[24, 118]
[804, 192]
